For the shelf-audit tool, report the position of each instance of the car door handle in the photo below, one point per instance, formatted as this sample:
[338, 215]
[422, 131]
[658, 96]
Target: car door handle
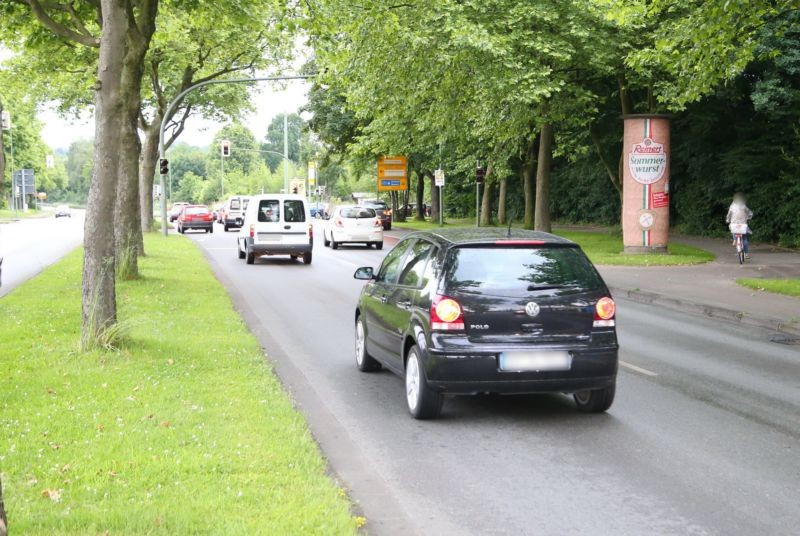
[287, 226]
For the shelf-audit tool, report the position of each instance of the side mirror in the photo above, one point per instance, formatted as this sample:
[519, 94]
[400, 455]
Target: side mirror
[365, 273]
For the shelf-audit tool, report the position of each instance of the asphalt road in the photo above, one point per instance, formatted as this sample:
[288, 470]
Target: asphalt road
[704, 437]
[29, 245]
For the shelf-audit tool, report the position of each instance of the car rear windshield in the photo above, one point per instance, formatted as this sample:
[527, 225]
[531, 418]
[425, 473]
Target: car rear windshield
[357, 213]
[503, 270]
[380, 205]
[234, 205]
[295, 211]
[194, 211]
[269, 210]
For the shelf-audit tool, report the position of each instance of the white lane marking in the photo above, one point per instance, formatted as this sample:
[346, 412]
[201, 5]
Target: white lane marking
[638, 369]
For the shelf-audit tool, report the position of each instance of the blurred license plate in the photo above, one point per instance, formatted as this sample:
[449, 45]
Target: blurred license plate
[264, 237]
[535, 361]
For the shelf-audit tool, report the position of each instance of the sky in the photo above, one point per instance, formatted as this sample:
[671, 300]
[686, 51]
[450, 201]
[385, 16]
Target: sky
[269, 101]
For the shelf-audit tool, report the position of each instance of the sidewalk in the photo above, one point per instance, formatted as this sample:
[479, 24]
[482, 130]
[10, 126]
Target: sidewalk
[710, 289]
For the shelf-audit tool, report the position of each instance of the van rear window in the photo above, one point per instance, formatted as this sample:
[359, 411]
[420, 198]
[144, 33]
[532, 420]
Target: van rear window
[513, 269]
[235, 204]
[294, 211]
[269, 210]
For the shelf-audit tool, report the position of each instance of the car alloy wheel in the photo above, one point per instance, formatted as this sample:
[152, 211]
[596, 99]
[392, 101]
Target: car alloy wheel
[360, 342]
[364, 361]
[412, 383]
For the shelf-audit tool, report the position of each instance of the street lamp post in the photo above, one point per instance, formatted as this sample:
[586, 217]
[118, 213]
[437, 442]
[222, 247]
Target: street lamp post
[179, 98]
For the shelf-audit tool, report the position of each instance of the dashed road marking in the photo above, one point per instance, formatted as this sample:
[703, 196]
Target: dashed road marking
[640, 370]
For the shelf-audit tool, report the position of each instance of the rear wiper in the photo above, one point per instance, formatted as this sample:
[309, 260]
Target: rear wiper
[531, 288]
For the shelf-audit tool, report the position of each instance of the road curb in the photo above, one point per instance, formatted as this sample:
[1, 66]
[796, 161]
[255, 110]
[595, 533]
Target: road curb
[773, 325]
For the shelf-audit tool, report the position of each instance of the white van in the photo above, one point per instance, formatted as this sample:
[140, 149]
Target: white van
[233, 212]
[276, 224]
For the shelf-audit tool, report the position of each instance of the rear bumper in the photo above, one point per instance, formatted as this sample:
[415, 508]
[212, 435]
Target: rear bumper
[277, 249]
[372, 236]
[197, 225]
[470, 372]
[233, 221]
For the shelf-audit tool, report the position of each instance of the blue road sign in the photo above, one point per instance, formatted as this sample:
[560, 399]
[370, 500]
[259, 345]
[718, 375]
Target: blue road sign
[385, 182]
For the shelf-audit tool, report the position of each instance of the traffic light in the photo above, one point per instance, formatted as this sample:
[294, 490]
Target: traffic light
[163, 166]
[480, 175]
[226, 147]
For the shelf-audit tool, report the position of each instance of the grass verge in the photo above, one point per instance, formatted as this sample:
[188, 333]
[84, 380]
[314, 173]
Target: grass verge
[602, 248]
[184, 430]
[8, 215]
[789, 287]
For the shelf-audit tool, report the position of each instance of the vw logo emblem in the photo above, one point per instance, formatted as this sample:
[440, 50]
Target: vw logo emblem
[532, 309]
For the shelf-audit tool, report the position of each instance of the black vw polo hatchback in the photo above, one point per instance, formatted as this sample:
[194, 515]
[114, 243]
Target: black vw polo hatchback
[467, 311]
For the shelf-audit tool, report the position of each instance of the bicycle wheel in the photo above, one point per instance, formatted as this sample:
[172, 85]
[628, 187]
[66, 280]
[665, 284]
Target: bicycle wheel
[741, 256]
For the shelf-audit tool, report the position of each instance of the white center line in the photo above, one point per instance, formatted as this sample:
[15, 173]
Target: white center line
[638, 369]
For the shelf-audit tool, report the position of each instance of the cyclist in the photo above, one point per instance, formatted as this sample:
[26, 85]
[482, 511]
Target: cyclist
[739, 214]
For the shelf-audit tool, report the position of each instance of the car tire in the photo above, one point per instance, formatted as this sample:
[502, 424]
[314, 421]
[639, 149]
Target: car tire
[364, 361]
[325, 241]
[422, 401]
[211, 229]
[225, 225]
[242, 254]
[334, 244]
[595, 400]
[379, 245]
[251, 257]
[389, 227]
[307, 257]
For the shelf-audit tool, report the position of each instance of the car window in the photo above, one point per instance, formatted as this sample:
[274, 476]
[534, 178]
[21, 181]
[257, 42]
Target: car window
[391, 264]
[196, 210]
[245, 203]
[413, 272]
[294, 211]
[514, 270]
[269, 210]
[357, 212]
[234, 204]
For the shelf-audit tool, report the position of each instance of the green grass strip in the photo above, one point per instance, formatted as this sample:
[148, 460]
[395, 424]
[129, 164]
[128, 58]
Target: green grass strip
[184, 430]
[789, 287]
[600, 247]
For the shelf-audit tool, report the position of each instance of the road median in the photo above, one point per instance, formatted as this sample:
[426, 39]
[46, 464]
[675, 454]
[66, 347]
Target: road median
[183, 429]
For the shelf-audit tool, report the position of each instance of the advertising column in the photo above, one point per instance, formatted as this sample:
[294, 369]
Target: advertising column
[645, 201]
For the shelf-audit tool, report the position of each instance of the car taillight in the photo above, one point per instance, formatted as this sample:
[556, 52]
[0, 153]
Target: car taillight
[310, 230]
[604, 312]
[252, 230]
[446, 314]
[207, 217]
[338, 222]
[378, 223]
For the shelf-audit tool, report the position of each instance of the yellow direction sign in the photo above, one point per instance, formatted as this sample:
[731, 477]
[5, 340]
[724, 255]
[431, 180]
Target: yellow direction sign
[392, 173]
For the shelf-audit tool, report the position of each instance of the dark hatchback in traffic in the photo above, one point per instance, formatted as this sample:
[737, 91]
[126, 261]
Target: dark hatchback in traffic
[467, 311]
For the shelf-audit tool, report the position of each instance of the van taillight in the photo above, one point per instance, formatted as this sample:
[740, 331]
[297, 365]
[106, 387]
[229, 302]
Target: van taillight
[446, 314]
[604, 312]
[252, 230]
[310, 230]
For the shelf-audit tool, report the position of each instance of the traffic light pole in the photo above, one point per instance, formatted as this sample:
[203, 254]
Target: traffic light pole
[179, 98]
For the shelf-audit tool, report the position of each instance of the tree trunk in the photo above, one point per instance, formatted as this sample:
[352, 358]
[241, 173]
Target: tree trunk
[434, 199]
[486, 201]
[501, 202]
[420, 196]
[99, 303]
[542, 217]
[147, 173]
[528, 186]
[3, 519]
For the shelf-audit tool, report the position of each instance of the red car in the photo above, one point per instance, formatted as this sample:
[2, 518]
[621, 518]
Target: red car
[195, 217]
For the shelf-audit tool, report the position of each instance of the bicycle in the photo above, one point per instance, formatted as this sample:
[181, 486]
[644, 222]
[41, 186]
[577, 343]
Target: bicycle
[739, 230]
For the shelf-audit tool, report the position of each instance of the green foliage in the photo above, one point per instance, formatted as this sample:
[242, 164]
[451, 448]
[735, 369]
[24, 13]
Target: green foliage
[274, 140]
[184, 430]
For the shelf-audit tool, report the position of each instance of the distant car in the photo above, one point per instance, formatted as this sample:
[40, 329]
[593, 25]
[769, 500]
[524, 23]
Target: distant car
[63, 211]
[233, 214]
[351, 224]
[175, 211]
[276, 224]
[195, 217]
[466, 311]
[383, 211]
